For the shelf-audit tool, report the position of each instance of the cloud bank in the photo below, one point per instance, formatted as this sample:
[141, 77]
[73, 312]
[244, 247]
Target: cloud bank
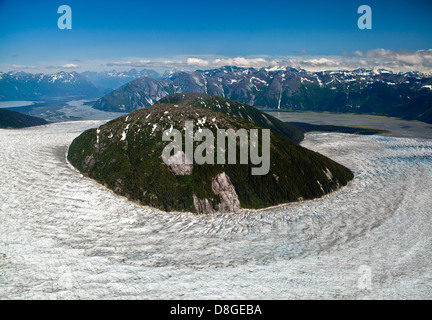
[394, 60]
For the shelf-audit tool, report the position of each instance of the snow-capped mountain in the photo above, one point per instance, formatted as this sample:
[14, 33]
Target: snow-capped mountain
[22, 85]
[375, 91]
[115, 79]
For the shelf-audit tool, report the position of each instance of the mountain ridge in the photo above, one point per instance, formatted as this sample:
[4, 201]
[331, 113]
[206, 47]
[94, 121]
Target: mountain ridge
[377, 91]
[13, 119]
[114, 79]
[28, 86]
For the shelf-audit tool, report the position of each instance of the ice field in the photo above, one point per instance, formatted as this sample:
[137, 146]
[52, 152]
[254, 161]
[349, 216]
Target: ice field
[63, 236]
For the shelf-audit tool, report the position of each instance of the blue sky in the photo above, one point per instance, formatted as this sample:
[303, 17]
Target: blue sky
[107, 34]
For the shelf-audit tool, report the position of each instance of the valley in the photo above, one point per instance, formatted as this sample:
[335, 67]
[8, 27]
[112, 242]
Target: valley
[394, 127]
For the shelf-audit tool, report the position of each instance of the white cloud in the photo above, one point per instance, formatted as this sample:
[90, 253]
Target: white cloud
[197, 62]
[302, 52]
[128, 63]
[395, 60]
[242, 62]
[321, 62]
[22, 67]
[70, 66]
[399, 60]
[63, 66]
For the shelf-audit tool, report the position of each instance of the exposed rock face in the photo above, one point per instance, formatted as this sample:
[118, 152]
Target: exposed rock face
[223, 187]
[202, 205]
[88, 162]
[178, 165]
[328, 174]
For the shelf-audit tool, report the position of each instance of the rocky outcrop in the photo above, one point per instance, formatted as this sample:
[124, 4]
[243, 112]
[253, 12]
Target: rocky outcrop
[222, 186]
[204, 206]
[88, 162]
[178, 164]
[328, 174]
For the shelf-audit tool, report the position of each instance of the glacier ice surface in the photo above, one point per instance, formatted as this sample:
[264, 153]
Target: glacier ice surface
[63, 236]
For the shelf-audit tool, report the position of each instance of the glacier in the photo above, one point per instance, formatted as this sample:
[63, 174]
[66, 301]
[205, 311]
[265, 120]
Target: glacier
[63, 236]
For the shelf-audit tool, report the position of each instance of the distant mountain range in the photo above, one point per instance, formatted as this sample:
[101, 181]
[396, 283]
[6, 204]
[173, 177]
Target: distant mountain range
[23, 85]
[12, 119]
[28, 86]
[114, 79]
[381, 92]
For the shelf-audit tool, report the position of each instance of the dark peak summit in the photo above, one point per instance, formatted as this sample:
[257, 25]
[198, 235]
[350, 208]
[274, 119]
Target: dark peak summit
[236, 109]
